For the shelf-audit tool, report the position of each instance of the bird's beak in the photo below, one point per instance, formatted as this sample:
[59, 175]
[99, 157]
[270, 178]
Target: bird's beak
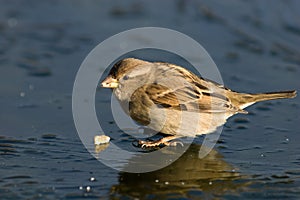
[110, 82]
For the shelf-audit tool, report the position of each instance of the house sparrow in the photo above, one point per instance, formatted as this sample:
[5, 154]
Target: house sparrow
[172, 100]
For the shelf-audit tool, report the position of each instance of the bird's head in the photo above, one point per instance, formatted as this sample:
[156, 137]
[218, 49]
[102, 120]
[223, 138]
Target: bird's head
[120, 71]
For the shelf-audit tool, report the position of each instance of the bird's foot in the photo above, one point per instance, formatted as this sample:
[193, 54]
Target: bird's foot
[166, 141]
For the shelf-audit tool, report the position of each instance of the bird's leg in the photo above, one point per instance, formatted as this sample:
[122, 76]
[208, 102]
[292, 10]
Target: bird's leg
[165, 141]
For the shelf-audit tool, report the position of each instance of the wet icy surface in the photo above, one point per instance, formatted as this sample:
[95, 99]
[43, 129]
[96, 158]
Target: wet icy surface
[255, 44]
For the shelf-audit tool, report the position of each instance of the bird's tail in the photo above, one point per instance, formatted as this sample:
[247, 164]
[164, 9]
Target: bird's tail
[249, 99]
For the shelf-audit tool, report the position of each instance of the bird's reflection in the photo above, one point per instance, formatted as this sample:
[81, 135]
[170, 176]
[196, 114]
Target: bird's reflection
[188, 173]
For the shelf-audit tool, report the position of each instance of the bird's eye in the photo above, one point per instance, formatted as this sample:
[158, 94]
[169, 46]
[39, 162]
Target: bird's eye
[125, 77]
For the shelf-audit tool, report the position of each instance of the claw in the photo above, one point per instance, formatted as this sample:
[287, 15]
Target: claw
[159, 143]
[150, 144]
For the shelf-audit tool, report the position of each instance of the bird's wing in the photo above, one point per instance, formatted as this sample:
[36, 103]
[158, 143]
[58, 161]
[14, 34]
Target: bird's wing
[177, 88]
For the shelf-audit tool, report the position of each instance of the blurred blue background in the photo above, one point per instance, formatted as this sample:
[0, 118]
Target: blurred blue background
[255, 44]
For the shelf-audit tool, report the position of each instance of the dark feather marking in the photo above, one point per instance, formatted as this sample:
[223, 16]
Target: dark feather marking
[164, 105]
[201, 86]
[191, 94]
[220, 96]
[197, 92]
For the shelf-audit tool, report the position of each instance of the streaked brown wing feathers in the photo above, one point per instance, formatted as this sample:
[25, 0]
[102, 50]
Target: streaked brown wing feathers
[188, 91]
[188, 98]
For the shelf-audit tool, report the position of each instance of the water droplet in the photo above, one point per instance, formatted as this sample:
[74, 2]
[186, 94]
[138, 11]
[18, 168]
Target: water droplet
[31, 87]
[88, 188]
[22, 94]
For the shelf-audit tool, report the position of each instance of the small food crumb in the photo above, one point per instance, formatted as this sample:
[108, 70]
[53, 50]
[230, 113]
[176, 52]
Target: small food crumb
[101, 139]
